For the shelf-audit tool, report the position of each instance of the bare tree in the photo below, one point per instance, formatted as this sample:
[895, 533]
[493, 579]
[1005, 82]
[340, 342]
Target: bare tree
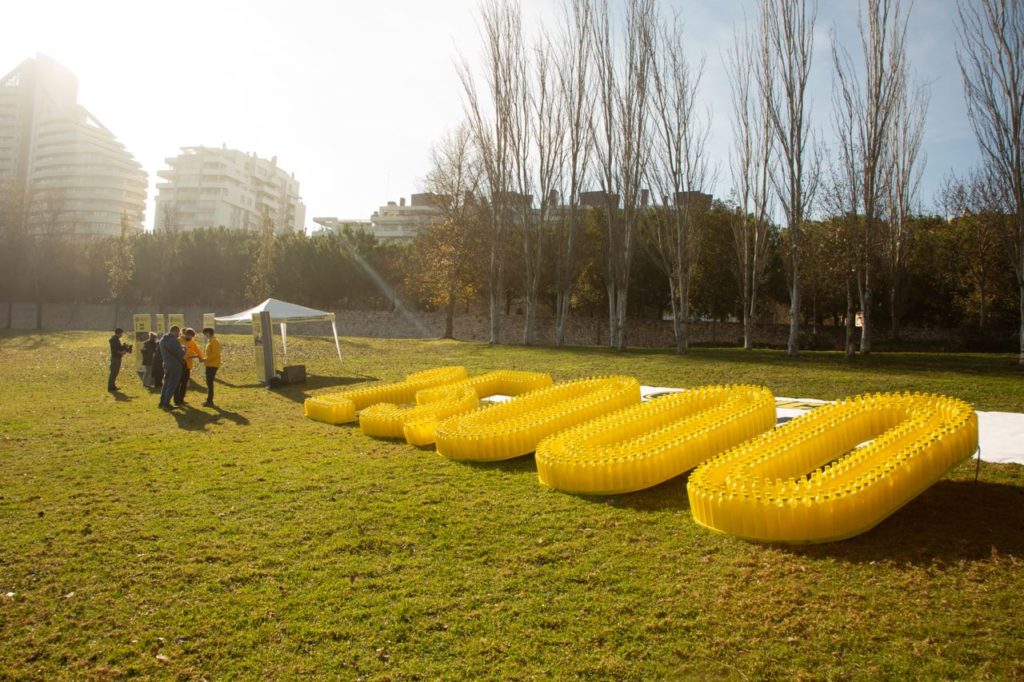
[170, 219]
[453, 179]
[785, 66]
[839, 199]
[991, 57]
[843, 196]
[121, 264]
[260, 284]
[621, 144]
[491, 125]
[538, 128]
[46, 222]
[905, 166]
[678, 171]
[577, 102]
[14, 240]
[883, 30]
[751, 168]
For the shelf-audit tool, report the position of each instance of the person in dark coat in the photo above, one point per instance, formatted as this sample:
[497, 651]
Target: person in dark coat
[173, 354]
[117, 351]
[149, 351]
[158, 365]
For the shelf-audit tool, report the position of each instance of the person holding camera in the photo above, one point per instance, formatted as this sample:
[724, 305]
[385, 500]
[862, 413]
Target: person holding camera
[117, 351]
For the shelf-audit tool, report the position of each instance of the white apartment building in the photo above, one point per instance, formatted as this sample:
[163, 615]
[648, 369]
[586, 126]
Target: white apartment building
[77, 179]
[211, 187]
[401, 222]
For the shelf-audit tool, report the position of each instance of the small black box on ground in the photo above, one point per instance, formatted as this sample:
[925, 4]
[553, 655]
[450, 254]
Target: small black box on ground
[293, 374]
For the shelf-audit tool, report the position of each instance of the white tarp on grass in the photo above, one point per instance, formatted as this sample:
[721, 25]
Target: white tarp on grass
[1000, 434]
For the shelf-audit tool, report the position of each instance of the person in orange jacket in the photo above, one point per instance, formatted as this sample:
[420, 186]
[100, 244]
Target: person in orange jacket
[192, 351]
[212, 362]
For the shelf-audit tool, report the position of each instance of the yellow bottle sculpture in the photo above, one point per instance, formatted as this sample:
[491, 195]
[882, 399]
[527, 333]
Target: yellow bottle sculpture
[759, 491]
[416, 423]
[341, 408]
[515, 428]
[644, 445]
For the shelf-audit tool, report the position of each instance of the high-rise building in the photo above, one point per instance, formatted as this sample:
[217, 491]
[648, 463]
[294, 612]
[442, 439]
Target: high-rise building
[211, 187]
[77, 178]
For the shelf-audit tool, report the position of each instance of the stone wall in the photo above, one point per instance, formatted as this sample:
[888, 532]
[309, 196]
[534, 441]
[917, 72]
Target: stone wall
[470, 326]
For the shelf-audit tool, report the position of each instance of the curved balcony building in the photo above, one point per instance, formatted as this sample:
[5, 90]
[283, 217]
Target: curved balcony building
[78, 179]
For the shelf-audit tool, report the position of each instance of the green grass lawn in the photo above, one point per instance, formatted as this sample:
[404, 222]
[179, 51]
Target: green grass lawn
[250, 542]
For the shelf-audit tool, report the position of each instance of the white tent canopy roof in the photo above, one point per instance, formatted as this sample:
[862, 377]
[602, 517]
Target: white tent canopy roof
[280, 311]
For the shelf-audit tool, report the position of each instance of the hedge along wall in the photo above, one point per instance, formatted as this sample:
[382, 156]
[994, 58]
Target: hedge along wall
[581, 331]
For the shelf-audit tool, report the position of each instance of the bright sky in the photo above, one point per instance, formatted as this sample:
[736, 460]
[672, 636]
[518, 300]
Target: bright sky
[350, 96]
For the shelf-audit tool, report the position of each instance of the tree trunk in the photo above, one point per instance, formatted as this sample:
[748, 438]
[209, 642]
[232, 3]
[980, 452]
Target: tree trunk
[748, 329]
[683, 316]
[561, 317]
[793, 347]
[981, 306]
[496, 280]
[620, 319]
[894, 310]
[851, 346]
[528, 321]
[1021, 287]
[563, 297]
[865, 329]
[449, 316]
[612, 338]
[749, 315]
[676, 332]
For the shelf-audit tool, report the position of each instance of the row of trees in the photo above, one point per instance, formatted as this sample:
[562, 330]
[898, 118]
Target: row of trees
[610, 101]
[954, 274]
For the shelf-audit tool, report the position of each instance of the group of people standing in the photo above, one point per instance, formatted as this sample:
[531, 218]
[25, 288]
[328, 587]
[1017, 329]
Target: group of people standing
[168, 361]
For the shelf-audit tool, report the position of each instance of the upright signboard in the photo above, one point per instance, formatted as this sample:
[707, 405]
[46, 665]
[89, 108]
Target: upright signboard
[142, 324]
[161, 324]
[209, 320]
[263, 338]
[176, 319]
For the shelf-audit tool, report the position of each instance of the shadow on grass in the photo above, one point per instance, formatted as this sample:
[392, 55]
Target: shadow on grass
[252, 384]
[120, 396]
[299, 392]
[33, 340]
[667, 496]
[516, 465]
[949, 522]
[192, 419]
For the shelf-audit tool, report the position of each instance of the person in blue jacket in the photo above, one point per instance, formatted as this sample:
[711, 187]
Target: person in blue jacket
[173, 355]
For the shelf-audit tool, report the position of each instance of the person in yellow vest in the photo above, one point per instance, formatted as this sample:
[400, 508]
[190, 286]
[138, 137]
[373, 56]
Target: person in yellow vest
[212, 362]
[192, 351]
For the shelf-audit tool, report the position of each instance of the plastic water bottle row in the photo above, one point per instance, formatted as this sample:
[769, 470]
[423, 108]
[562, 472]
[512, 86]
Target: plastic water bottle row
[515, 428]
[760, 490]
[341, 408]
[646, 444]
[417, 423]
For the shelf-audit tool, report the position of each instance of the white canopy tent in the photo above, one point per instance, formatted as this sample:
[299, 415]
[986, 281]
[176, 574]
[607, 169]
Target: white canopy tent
[281, 313]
